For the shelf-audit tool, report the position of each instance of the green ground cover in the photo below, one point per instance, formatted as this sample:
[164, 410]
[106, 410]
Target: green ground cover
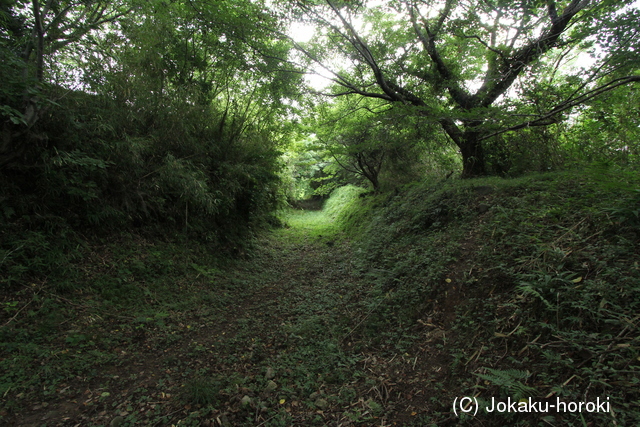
[378, 310]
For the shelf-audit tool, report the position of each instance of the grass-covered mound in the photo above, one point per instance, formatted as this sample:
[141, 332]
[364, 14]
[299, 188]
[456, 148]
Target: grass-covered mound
[534, 283]
[378, 310]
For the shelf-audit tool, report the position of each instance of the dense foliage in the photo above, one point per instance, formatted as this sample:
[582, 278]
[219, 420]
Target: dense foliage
[142, 142]
[487, 74]
[534, 280]
[139, 114]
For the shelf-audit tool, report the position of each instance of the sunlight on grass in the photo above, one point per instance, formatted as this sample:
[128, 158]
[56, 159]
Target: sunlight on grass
[325, 223]
[308, 225]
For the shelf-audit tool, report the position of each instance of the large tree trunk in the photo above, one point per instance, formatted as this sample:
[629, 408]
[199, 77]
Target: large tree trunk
[470, 145]
[473, 159]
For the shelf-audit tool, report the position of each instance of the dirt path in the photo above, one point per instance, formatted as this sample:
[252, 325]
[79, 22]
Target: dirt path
[292, 348]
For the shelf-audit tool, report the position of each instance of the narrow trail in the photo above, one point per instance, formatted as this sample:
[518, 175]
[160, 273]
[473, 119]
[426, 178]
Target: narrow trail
[290, 349]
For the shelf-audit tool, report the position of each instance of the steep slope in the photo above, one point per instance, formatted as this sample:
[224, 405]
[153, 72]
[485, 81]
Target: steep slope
[534, 284]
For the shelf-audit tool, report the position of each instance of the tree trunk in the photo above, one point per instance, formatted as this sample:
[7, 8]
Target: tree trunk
[39, 42]
[473, 159]
[370, 168]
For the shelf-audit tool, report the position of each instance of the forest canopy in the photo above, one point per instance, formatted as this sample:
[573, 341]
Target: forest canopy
[480, 71]
[194, 113]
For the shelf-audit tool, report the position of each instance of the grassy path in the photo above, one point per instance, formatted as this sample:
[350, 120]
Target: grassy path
[278, 339]
[522, 300]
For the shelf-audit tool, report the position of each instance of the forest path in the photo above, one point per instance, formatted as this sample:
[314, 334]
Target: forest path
[297, 347]
[289, 346]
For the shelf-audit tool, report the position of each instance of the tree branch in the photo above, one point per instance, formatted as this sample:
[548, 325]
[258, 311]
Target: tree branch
[361, 47]
[552, 11]
[452, 130]
[428, 42]
[532, 51]
[548, 118]
[485, 44]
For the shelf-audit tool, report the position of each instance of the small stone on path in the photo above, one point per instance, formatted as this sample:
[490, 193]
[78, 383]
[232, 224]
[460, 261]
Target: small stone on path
[271, 386]
[270, 374]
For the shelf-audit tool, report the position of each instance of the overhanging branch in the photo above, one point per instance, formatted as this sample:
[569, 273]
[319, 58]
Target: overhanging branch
[544, 120]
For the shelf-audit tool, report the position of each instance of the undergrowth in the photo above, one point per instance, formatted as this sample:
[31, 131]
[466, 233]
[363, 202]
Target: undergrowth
[537, 275]
[381, 308]
[61, 328]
